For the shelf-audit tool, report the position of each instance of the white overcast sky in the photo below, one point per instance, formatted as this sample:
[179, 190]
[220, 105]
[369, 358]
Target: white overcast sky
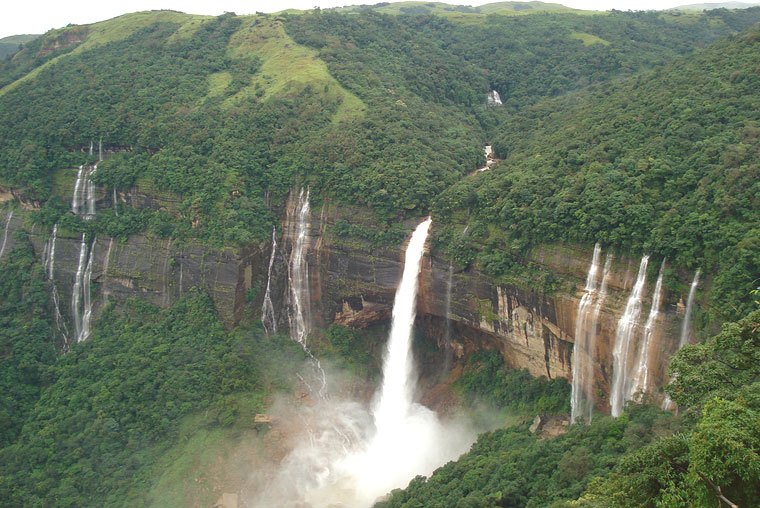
[39, 16]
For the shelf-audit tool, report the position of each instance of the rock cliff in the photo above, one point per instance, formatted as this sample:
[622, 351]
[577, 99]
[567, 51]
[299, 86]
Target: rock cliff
[353, 284]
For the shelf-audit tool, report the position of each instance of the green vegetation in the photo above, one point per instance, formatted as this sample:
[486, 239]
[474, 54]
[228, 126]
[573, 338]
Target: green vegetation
[26, 346]
[10, 45]
[665, 164]
[110, 408]
[486, 380]
[656, 459]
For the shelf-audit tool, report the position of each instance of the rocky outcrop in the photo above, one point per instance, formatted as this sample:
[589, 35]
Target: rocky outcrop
[353, 284]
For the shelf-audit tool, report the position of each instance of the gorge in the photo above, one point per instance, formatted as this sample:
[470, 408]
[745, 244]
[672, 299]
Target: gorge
[388, 255]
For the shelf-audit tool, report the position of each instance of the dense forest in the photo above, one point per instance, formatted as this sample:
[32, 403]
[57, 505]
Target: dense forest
[637, 130]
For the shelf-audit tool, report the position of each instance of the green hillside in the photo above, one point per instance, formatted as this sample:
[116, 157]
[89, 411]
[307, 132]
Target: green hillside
[11, 44]
[638, 130]
[664, 164]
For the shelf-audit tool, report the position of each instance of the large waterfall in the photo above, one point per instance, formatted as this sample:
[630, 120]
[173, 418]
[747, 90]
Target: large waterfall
[352, 457]
[8, 218]
[268, 319]
[300, 318]
[686, 331]
[582, 402]
[627, 326]
[640, 378]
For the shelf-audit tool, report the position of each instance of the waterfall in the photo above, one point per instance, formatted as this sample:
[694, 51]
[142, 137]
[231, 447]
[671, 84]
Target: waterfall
[640, 379]
[667, 404]
[49, 262]
[100, 149]
[494, 99]
[81, 304]
[268, 319]
[90, 192]
[115, 208]
[585, 330]
[165, 296]
[447, 336]
[627, 325]
[8, 218]
[76, 294]
[90, 147]
[76, 202]
[86, 291]
[84, 192]
[686, 325]
[488, 154]
[350, 456]
[300, 319]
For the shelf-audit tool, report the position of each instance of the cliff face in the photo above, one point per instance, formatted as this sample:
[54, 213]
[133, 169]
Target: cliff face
[353, 284]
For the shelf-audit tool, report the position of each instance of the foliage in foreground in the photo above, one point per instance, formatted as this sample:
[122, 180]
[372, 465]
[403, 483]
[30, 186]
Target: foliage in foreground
[711, 449]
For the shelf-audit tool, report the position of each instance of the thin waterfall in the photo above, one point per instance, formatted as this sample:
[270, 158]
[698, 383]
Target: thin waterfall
[86, 291]
[268, 319]
[8, 218]
[300, 319]
[76, 294]
[90, 192]
[627, 326]
[686, 330]
[76, 200]
[84, 192]
[49, 263]
[165, 297]
[447, 335]
[100, 149]
[640, 379]
[115, 208]
[91, 145]
[583, 367]
[686, 325]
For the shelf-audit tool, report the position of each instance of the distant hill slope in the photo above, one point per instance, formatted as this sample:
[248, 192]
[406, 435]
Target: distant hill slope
[666, 164]
[11, 44]
[458, 12]
[715, 5]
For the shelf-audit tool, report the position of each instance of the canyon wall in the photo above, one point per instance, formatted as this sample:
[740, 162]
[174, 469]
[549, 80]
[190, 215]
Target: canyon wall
[353, 284]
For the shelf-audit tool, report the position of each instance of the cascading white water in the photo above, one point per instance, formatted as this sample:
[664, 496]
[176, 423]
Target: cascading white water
[76, 294]
[397, 390]
[76, 199]
[84, 192]
[100, 149]
[640, 378]
[447, 335]
[50, 253]
[86, 291]
[300, 319]
[494, 99]
[115, 208]
[268, 319]
[8, 218]
[349, 462]
[49, 263]
[584, 332]
[686, 325]
[90, 192]
[668, 404]
[621, 353]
